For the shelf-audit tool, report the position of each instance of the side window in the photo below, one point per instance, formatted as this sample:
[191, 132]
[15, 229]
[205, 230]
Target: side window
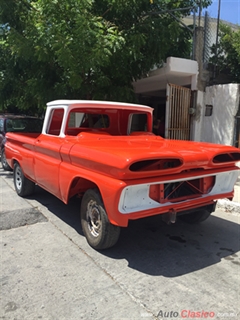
[56, 122]
[9, 125]
[138, 122]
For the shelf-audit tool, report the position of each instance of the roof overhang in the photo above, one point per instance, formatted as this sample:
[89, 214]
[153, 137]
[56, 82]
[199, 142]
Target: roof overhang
[179, 71]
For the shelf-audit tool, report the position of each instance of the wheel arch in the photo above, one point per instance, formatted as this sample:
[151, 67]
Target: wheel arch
[79, 185]
[109, 190]
[13, 162]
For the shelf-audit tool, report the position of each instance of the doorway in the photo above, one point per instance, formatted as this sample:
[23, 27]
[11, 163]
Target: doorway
[177, 122]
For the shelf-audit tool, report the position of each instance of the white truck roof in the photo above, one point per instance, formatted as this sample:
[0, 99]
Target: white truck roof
[94, 103]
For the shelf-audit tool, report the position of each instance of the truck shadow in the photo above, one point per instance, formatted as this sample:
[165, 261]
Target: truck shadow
[69, 213]
[154, 248]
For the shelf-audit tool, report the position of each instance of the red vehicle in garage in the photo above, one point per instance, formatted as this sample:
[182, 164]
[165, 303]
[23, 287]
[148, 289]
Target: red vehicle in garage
[16, 123]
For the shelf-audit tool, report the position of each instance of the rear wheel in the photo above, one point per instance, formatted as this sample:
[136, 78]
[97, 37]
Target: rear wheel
[195, 217]
[23, 186]
[99, 232]
[5, 165]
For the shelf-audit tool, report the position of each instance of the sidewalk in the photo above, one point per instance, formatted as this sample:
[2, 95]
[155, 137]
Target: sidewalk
[234, 205]
[236, 197]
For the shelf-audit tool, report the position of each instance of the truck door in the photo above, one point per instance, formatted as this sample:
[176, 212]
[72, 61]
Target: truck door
[47, 155]
[177, 122]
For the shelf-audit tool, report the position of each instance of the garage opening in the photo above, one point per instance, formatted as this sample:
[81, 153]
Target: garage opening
[171, 116]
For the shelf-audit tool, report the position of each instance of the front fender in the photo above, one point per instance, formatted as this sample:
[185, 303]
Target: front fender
[76, 180]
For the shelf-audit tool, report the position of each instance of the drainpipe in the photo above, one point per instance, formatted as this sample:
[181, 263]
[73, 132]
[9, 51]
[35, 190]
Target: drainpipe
[199, 56]
[216, 48]
[236, 134]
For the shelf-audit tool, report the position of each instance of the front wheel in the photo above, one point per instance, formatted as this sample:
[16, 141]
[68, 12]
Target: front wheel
[23, 186]
[195, 217]
[99, 232]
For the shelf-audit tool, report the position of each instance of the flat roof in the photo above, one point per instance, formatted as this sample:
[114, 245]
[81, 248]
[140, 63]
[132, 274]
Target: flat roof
[95, 103]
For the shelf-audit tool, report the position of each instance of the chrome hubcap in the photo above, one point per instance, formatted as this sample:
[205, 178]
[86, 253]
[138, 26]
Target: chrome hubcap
[94, 218]
[18, 178]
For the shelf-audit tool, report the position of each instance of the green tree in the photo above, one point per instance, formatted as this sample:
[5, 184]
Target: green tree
[227, 59]
[84, 49]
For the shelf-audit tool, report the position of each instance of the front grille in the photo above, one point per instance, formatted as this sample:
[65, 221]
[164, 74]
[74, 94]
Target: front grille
[181, 190]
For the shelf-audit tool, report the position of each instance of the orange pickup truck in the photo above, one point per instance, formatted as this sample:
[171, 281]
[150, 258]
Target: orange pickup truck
[106, 153]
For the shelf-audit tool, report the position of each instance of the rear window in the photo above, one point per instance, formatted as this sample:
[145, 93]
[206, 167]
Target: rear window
[88, 120]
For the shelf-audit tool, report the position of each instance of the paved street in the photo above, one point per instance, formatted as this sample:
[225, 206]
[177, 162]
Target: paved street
[156, 271]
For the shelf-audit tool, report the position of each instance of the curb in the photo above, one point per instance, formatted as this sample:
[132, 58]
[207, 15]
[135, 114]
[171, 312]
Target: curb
[229, 206]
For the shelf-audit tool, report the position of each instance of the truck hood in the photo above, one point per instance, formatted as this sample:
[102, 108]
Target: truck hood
[132, 156]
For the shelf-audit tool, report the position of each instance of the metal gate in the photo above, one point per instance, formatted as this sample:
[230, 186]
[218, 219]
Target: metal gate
[177, 122]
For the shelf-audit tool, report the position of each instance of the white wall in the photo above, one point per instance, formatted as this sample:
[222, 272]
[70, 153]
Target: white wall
[197, 118]
[219, 127]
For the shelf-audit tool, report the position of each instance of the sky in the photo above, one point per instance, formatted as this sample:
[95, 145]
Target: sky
[229, 10]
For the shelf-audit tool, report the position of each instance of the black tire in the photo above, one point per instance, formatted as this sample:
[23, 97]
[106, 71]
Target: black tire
[5, 165]
[99, 232]
[195, 217]
[23, 186]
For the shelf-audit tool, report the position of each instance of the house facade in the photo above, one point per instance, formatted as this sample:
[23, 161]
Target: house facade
[189, 113]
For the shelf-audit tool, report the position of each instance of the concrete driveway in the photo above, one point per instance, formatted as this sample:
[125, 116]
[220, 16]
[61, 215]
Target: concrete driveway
[156, 271]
